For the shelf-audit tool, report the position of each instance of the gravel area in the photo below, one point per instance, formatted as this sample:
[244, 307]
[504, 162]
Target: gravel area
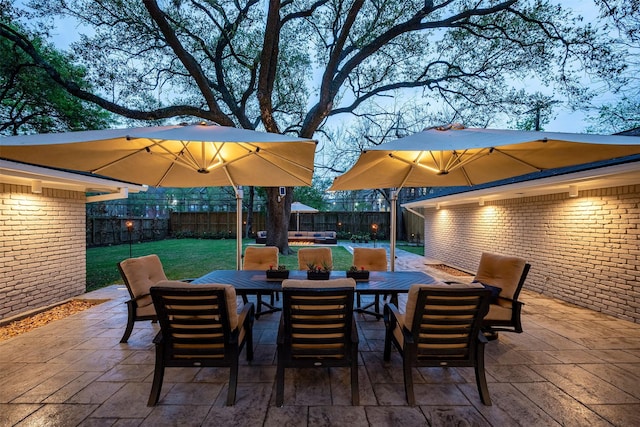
[26, 324]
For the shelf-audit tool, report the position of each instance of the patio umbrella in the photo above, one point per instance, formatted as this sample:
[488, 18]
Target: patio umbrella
[200, 155]
[455, 156]
[298, 208]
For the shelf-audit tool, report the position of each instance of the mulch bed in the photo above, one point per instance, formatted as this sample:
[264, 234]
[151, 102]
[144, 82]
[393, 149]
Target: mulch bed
[29, 323]
[449, 270]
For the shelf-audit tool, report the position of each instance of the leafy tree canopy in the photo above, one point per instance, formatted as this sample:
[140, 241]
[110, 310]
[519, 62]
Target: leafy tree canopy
[30, 102]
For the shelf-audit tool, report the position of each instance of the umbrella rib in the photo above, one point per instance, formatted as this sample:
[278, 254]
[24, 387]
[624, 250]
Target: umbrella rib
[518, 160]
[410, 163]
[177, 158]
[215, 155]
[224, 164]
[226, 172]
[97, 170]
[279, 156]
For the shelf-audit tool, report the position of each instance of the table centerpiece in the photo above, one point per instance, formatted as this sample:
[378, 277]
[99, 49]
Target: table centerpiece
[281, 272]
[358, 274]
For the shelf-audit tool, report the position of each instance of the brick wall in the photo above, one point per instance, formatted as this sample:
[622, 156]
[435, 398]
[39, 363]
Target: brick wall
[583, 250]
[42, 248]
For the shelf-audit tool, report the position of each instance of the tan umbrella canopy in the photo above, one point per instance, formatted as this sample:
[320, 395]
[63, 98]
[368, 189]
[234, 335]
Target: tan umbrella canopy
[200, 155]
[297, 208]
[456, 156]
[173, 156]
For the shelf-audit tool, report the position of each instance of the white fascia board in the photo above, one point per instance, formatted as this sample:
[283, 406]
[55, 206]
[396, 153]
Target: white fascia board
[24, 174]
[605, 177]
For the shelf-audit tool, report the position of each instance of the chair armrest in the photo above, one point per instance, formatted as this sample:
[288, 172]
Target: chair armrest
[280, 339]
[391, 313]
[158, 338]
[512, 301]
[481, 338]
[354, 332]
[139, 297]
[246, 315]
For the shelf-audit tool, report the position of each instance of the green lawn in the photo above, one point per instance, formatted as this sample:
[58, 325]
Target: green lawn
[184, 258]
[414, 249]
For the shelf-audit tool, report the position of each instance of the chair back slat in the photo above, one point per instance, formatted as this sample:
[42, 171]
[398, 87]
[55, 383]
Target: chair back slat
[194, 324]
[317, 322]
[446, 323]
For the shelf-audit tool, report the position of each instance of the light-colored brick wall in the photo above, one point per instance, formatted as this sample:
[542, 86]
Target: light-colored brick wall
[42, 248]
[583, 250]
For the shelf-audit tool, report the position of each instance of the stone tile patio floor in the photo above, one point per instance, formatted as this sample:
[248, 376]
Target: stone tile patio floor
[571, 366]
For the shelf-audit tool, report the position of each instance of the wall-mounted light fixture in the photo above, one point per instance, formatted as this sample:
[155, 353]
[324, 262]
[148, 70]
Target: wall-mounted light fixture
[573, 191]
[481, 202]
[36, 186]
[437, 205]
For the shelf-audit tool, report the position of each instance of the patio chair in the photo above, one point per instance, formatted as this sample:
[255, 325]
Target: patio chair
[200, 327]
[261, 258]
[440, 328]
[372, 259]
[317, 256]
[505, 276]
[139, 274]
[317, 329]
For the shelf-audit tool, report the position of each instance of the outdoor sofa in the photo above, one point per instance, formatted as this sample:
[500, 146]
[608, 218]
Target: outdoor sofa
[320, 237]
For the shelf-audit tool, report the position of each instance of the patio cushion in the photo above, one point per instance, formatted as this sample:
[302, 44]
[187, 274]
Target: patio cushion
[415, 289]
[372, 259]
[229, 292]
[501, 271]
[317, 256]
[499, 311]
[260, 258]
[142, 273]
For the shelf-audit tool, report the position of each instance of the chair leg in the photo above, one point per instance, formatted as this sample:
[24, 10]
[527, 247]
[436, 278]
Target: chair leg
[481, 379]
[158, 376]
[233, 382]
[355, 387]
[249, 343]
[279, 383]
[387, 340]
[408, 379]
[130, 319]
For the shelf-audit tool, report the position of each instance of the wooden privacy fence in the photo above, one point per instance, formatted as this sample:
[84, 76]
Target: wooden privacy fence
[112, 231]
[222, 224]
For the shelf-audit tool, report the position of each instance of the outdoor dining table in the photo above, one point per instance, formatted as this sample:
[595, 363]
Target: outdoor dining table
[255, 282]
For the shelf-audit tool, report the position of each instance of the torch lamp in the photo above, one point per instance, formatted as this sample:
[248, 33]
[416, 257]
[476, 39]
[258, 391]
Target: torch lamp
[129, 225]
[374, 227]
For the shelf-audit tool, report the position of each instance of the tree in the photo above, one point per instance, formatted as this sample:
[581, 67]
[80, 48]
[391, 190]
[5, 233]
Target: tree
[290, 66]
[29, 100]
[624, 113]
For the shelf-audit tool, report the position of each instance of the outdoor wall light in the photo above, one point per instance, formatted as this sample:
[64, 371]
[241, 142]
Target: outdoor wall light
[36, 186]
[481, 202]
[438, 206]
[573, 191]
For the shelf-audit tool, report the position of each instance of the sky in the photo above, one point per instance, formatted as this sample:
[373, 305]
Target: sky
[565, 120]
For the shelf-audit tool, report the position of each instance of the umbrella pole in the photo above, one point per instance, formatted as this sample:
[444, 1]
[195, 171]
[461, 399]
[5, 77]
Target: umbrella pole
[297, 221]
[392, 234]
[239, 228]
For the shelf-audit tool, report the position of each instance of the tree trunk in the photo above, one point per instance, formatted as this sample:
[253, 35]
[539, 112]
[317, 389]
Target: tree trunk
[278, 215]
